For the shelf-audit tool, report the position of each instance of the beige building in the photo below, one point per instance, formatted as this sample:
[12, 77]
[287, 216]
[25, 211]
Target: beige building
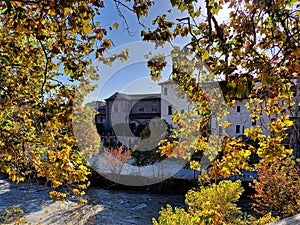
[131, 108]
[141, 108]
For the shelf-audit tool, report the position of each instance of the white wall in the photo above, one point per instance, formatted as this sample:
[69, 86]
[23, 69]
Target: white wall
[171, 98]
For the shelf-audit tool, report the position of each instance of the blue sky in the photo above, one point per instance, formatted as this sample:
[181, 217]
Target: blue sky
[132, 76]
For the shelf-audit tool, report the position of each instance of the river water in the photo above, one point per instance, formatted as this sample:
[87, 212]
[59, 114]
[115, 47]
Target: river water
[115, 207]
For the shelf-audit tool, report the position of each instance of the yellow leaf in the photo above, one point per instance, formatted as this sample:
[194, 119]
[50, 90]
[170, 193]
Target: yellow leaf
[116, 26]
[87, 29]
[51, 12]
[194, 165]
[43, 21]
[67, 10]
[288, 123]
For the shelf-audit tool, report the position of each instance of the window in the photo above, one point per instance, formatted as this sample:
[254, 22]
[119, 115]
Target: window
[141, 108]
[165, 91]
[209, 128]
[182, 111]
[154, 108]
[238, 108]
[169, 110]
[220, 130]
[116, 108]
[238, 129]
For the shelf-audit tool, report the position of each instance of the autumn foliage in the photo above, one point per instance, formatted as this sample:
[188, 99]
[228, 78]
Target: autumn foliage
[277, 189]
[42, 41]
[259, 41]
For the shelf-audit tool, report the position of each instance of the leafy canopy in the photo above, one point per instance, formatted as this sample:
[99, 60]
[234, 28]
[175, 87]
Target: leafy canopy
[259, 40]
[41, 43]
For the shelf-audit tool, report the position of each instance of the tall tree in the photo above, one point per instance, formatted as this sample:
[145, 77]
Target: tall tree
[42, 42]
[259, 40]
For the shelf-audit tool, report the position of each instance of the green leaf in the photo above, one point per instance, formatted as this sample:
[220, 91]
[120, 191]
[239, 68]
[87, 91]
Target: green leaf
[3, 10]
[205, 56]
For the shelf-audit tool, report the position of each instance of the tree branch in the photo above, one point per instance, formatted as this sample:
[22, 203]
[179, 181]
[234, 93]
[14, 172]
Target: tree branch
[46, 67]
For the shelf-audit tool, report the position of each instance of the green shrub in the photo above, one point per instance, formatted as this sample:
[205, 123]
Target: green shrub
[214, 204]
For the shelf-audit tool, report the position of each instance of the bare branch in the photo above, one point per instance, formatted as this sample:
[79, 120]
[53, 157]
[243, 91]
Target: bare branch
[46, 66]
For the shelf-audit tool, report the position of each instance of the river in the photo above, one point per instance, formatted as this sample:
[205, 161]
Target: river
[115, 207]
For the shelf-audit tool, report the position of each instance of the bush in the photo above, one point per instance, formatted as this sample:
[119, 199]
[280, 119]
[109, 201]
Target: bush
[277, 188]
[215, 204]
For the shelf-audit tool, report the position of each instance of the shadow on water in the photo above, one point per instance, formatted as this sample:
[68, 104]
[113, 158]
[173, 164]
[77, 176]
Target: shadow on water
[114, 207]
[28, 195]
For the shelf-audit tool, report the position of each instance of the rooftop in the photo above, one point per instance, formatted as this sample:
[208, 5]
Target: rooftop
[132, 96]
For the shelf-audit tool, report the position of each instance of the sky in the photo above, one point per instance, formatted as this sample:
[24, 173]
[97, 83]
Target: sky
[133, 76]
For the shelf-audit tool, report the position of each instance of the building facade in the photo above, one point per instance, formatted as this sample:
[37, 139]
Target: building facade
[172, 98]
[123, 108]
